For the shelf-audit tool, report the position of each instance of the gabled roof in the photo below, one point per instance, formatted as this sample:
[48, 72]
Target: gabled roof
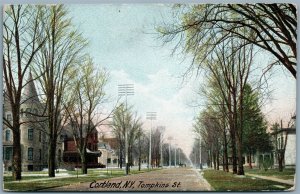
[67, 131]
[29, 93]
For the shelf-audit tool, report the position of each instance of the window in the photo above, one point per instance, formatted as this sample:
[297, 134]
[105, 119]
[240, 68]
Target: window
[8, 153]
[30, 134]
[35, 111]
[8, 117]
[7, 135]
[40, 136]
[30, 153]
[28, 111]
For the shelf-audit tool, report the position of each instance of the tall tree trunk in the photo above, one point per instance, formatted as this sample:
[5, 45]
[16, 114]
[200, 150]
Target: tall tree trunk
[51, 157]
[223, 162]
[217, 158]
[120, 160]
[250, 160]
[280, 160]
[232, 131]
[240, 158]
[208, 159]
[234, 159]
[17, 159]
[83, 156]
[140, 153]
[214, 160]
[239, 130]
[225, 152]
[139, 162]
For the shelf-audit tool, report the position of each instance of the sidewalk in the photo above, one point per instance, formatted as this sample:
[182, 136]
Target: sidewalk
[45, 178]
[288, 182]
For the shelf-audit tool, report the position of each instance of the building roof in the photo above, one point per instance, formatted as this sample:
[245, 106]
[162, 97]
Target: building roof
[29, 93]
[112, 142]
[67, 131]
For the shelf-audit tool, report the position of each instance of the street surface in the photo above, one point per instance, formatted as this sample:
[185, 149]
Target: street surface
[170, 179]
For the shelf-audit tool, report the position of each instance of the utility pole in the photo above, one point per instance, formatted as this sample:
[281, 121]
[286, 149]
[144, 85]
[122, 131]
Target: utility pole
[150, 116]
[179, 155]
[126, 90]
[162, 130]
[175, 155]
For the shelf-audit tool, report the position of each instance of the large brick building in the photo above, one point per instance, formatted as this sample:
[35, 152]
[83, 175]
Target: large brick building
[70, 155]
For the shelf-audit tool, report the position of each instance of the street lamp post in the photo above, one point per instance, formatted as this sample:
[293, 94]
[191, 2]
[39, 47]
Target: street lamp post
[150, 116]
[170, 139]
[126, 90]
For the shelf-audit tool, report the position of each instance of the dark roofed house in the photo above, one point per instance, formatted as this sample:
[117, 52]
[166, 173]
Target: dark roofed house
[71, 156]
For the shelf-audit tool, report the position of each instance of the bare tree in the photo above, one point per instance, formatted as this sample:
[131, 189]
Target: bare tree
[210, 130]
[228, 69]
[87, 97]
[216, 103]
[126, 122]
[271, 27]
[23, 26]
[54, 64]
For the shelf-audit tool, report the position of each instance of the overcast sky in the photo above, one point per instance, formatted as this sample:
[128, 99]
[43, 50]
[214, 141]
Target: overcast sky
[123, 40]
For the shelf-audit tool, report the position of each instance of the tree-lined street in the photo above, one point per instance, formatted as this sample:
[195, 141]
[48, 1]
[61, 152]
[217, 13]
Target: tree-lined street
[167, 97]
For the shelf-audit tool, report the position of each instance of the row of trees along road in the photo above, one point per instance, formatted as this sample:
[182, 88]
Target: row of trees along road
[43, 39]
[125, 120]
[222, 40]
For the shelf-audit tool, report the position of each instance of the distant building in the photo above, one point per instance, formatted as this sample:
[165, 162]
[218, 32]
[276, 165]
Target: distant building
[108, 148]
[33, 137]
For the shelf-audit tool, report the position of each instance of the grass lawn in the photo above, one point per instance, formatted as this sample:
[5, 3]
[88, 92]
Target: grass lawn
[222, 181]
[47, 182]
[286, 174]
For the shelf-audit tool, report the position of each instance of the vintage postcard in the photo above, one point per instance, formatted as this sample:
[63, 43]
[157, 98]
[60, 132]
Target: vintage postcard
[149, 97]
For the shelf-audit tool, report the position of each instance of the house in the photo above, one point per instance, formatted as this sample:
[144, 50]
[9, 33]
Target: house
[285, 139]
[109, 157]
[70, 155]
[33, 136]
